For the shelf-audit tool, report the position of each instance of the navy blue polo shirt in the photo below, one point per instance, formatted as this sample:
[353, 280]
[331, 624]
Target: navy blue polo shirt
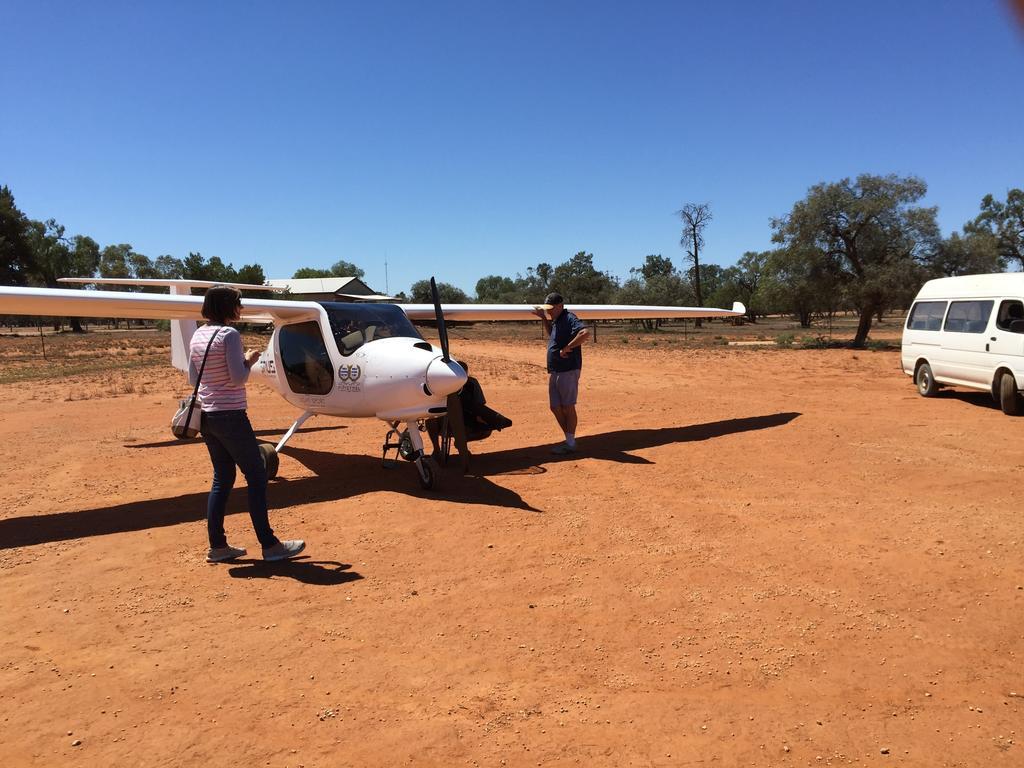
[564, 330]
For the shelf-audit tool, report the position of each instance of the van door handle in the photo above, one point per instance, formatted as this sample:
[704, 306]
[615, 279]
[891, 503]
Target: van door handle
[986, 345]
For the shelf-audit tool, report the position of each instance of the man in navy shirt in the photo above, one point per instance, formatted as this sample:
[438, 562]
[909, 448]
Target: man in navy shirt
[565, 359]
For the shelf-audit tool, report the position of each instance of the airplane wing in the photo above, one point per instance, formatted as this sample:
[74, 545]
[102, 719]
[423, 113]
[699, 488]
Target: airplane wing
[582, 311]
[62, 302]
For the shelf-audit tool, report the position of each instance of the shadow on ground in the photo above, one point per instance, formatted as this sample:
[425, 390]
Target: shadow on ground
[340, 476]
[258, 433]
[324, 573]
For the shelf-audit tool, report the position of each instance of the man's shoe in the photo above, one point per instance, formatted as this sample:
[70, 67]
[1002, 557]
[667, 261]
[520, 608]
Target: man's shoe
[563, 449]
[223, 554]
[284, 550]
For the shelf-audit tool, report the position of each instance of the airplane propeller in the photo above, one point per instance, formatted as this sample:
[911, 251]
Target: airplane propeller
[442, 330]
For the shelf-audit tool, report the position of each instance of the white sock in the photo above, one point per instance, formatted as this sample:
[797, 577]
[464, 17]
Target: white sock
[570, 439]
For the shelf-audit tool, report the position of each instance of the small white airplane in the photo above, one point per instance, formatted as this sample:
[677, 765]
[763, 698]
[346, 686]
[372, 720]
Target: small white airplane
[343, 359]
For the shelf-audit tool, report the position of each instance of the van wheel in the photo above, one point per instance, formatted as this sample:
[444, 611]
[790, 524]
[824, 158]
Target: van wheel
[926, 386]
[1009, 399]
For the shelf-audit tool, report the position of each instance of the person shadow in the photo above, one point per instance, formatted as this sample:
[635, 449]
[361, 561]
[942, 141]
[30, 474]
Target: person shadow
[321, 573]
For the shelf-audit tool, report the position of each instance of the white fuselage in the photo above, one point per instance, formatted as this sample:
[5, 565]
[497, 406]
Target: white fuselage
[399, 378]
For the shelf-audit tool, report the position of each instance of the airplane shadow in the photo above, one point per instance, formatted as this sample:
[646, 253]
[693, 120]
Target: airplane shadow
[339, 476]
[614, 446]
[257, 432]
[324, 573]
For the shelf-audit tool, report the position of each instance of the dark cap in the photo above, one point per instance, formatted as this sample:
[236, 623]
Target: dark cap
[554, 298]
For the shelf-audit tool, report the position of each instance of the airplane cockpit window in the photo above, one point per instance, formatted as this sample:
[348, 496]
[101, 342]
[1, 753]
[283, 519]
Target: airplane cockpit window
[356, 324]
[304, 357]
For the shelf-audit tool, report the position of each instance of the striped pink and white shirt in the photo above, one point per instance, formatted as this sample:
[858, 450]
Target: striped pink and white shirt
[223, 385]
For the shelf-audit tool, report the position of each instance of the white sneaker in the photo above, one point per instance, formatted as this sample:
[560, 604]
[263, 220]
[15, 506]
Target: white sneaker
[222, 554]
[284, 550]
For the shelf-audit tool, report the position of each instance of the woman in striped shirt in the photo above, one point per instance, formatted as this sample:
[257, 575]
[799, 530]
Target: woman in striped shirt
[226, 428]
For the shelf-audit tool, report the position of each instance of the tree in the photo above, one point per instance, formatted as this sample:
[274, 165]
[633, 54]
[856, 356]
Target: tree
[15, 251]
[252, 274]
[54, 256]
[871, 233]
[346, 269]
[976, 253]
[196, 267]
[1004, 221]
[655, 266]
[338, 269]
[114, 262]
[495, 289]
[304, 272]
[580, 282]
[419, 293]
[695, 217]
[167, 267]
[802, 282]
[655, 282]
[741, 283]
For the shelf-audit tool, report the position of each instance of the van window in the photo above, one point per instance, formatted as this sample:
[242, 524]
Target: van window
[926, 316]
[307, 366]
[968, 316]
[1010, 310]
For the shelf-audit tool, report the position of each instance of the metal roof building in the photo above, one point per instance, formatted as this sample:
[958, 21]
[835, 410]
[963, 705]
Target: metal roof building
[328, 289]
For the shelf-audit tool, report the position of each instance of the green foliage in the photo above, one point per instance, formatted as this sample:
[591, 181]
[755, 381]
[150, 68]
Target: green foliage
[495, 289]
[168, 268]
[15, 251]
[196, 267]
[1004, 223]
[976, 253]
[871, 237]
[344, 268]
[340, 268]
[114, 261]
[742, 282]
[581, 283]
[655, 266]
[419, 293]
[252, 274]
[54, 255]
[304, 272]
[784, 340]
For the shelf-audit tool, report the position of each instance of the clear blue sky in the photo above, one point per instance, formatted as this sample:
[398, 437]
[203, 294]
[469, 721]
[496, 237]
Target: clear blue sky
[462, 139]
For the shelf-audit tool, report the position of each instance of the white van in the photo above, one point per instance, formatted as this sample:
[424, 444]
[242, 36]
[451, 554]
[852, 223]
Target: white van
[968, 331]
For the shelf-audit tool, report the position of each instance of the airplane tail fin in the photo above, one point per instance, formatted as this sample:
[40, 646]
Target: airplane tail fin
[181, 337]
[738, 308]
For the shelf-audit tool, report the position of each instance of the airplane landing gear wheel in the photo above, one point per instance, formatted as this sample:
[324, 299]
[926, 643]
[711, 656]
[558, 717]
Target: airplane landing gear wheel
[1009, 399]
[428, 472]
[270, 459]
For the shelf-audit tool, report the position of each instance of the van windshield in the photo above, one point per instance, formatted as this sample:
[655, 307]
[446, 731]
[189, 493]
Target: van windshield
[356, 324]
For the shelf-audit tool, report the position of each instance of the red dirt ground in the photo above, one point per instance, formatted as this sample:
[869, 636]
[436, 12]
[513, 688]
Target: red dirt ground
[759, 557]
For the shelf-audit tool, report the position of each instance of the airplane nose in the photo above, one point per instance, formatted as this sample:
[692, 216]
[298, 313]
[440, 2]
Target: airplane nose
[444, 378]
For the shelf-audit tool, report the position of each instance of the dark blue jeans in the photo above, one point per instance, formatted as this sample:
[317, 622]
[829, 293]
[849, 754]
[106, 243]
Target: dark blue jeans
[230, 441]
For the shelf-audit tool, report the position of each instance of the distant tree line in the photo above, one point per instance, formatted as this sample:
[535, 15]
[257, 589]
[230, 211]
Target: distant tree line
[864, 245]
[37, 253]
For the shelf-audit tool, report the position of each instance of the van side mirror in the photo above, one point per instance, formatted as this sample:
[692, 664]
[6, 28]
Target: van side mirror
[1017, 326]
